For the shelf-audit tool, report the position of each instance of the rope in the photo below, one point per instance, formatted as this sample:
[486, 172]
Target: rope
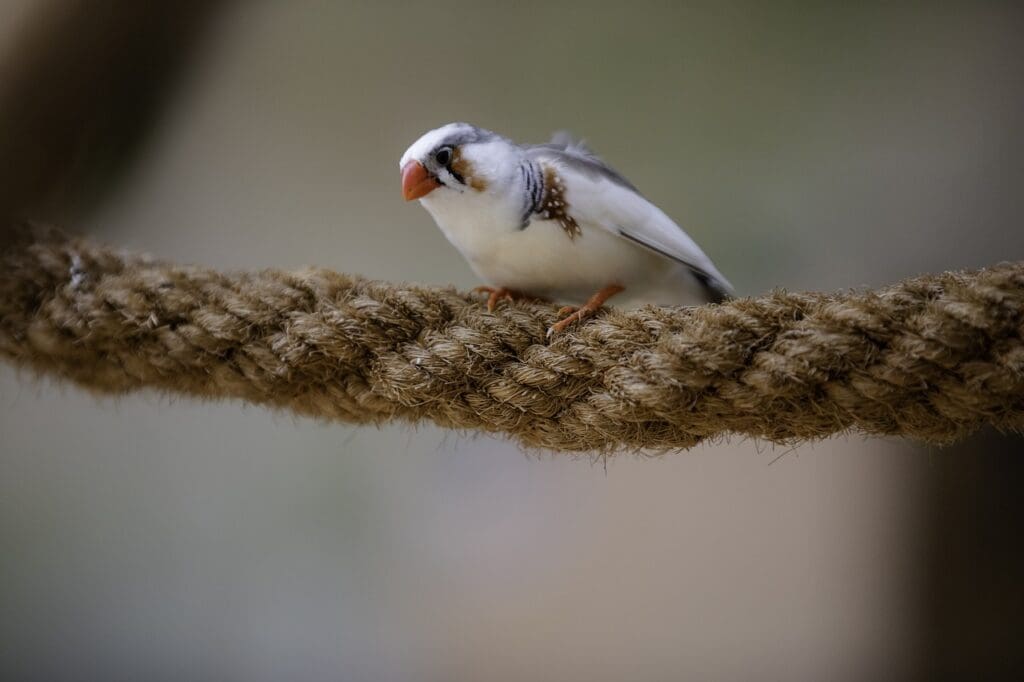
[933, 358]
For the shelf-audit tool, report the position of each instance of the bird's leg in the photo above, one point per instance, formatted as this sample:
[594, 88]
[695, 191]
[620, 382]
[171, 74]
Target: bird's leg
[496, 294]
[592, 305]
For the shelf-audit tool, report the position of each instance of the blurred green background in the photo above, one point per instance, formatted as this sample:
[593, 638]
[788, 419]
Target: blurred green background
[803, 145]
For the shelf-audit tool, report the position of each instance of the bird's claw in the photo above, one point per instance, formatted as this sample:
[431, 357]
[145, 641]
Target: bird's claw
[496, 294]
[571, 314]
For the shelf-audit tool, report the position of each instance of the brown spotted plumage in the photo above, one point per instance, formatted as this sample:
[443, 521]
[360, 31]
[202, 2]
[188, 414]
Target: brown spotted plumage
[554, 207]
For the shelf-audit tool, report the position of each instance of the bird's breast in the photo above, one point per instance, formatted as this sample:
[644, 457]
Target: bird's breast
[472, 224]
[544, 259]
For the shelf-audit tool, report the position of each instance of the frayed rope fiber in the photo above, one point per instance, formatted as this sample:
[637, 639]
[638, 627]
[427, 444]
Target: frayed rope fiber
[933, 358]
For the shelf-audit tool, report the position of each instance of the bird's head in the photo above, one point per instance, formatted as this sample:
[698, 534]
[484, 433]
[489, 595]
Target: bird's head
[457, 157]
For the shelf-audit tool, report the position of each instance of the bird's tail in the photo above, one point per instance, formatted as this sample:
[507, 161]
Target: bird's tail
[716, 290]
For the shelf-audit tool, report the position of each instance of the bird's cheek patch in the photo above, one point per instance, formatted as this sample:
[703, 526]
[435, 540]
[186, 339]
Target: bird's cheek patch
[461, 166]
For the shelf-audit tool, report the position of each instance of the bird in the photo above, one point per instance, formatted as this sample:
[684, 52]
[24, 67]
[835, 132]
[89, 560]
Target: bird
[553, 222]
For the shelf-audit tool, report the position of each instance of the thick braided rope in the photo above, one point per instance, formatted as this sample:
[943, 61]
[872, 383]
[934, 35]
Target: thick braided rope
[933, 358]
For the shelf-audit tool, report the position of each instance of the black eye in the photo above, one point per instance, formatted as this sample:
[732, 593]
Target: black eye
[443, 155]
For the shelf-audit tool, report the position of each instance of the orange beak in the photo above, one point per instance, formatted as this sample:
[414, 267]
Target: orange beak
[416, 181]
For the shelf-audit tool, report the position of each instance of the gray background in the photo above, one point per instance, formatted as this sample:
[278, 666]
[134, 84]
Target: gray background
[805, 147]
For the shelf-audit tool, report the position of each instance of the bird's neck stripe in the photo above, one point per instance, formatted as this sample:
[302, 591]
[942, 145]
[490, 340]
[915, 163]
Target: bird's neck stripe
[533, 181]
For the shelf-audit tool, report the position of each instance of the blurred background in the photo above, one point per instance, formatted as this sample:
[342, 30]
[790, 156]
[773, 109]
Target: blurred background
[803, 145]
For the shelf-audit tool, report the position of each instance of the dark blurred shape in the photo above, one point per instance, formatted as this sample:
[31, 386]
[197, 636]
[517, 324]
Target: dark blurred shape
[974, 581]
[78, 93]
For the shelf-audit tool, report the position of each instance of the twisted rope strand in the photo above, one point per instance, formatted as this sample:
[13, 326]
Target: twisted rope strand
[933, 358]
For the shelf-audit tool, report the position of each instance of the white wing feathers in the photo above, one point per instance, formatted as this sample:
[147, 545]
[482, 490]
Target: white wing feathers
[600, 196]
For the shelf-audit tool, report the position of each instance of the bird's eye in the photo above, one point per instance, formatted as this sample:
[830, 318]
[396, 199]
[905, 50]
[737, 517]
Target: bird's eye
[443, 155]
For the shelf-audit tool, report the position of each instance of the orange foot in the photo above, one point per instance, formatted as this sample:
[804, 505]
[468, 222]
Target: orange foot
[574, 314]
[496, 294]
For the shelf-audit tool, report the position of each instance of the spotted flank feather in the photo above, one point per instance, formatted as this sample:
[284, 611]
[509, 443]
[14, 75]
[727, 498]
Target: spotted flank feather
[553, 206]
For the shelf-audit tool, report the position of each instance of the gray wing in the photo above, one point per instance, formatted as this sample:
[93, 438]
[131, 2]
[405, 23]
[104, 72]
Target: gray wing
[575, 154]
[612, 202]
